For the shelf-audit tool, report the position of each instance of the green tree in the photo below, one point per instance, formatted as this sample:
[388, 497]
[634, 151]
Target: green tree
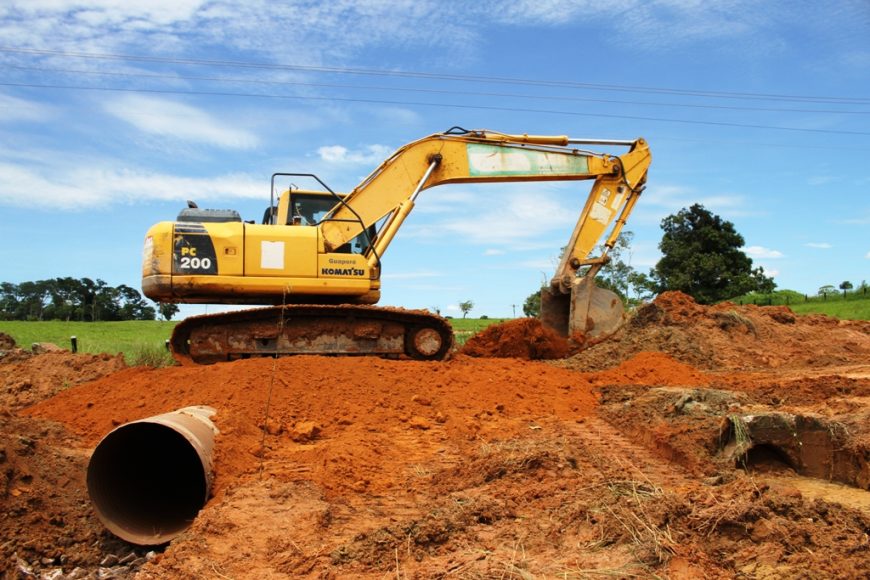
[8, 301]
[845, 286]
[827, 289]
[642, 285]
[466, 307]
[532, 305]
[167, 310]
[615, 274]
[701, 256]
[70, 298]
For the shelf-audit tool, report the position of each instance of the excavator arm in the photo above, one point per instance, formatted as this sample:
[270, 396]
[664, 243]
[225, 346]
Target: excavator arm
[571, 305]
[486, 157]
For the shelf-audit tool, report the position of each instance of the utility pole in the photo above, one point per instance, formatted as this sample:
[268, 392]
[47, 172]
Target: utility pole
[514, 306]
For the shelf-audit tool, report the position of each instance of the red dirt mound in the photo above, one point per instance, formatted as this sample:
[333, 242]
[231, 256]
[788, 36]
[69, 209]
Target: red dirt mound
[524, 338]
[46, 518]
[373, 415]
[731, 337]
[368, 468]
[651, 369]
[28, 379]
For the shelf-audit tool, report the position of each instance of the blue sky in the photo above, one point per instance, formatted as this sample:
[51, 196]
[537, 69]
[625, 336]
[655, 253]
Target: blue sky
[114, 112]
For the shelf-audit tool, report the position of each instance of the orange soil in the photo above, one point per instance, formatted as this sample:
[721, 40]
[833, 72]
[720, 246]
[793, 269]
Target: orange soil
[524, 338]
[365, 408]
[605, 462]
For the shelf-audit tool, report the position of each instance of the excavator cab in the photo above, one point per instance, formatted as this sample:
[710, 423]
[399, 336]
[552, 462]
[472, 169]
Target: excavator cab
[310, 208]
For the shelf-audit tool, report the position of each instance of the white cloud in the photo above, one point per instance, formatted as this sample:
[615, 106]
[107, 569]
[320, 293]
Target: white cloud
[544, 264]
[867, 256]
[493, 252]
[322, 31]
[104, 12]
[84, 187]
[370, 154]
[676, 197]
[821, 179]
[443, 199]
[167, 118]
[342, 29]
[659, 24]
[819, 245]
[13, 109]
[762, 252]
[660, 201]
[518, 217]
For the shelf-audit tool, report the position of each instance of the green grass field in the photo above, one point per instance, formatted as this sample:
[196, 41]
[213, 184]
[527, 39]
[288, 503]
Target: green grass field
[845, 310]
[854, 306]
[140, 341]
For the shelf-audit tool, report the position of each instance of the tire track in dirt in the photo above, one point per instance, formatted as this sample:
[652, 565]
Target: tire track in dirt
[614, 456]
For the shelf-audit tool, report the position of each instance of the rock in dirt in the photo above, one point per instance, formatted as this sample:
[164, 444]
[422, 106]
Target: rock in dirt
[44, 347]
[304, 431]
[524, 338]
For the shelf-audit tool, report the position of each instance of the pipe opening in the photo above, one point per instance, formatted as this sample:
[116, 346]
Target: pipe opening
[765, 458]
[147, 482]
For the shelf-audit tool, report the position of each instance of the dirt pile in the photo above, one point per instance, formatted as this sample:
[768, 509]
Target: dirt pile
[46, 519]
[373, 415]
[6, 342]
[473, 467]
[651, 369]
[523, 338]
[26, 379]
[731, 337]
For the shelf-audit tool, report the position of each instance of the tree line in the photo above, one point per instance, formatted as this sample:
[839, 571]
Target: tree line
[80, 299]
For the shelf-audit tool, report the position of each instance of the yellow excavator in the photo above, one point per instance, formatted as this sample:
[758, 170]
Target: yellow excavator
[316, 256]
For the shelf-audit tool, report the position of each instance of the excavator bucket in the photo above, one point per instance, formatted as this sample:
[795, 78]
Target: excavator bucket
[588, 312]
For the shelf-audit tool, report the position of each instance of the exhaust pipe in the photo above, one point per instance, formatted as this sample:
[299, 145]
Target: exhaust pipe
[148, 479]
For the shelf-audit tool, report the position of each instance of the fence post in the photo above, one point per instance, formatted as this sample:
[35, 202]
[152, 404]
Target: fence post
[74, 344]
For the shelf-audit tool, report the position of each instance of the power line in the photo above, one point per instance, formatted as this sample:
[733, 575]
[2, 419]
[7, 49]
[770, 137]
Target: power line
[443, 105]
[440, 76]
[442, 91]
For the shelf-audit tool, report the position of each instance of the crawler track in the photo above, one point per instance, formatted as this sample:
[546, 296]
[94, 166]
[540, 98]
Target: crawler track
[311, 329]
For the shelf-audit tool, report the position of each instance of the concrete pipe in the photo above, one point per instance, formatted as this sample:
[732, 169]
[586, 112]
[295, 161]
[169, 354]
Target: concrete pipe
[148, 479]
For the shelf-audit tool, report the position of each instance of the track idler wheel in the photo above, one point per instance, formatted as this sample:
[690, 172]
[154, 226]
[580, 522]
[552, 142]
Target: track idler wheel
[427, 343]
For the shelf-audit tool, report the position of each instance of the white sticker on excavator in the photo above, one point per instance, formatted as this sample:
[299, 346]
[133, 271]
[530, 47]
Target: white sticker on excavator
[492, 160]
[272, 255]
[600, 212]
[617, 200]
